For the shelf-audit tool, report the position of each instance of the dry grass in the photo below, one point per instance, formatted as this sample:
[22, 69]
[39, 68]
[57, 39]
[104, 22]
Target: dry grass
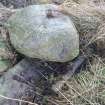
[18, 100]
[87, 87]
[87, 16]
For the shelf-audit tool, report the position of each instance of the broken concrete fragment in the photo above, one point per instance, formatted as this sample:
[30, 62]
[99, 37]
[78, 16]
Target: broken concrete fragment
[19, 83]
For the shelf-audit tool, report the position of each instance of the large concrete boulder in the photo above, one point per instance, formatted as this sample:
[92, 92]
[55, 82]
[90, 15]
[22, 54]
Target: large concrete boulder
[39, 31]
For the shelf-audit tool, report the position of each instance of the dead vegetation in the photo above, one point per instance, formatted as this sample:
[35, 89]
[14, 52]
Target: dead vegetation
[88, 86]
